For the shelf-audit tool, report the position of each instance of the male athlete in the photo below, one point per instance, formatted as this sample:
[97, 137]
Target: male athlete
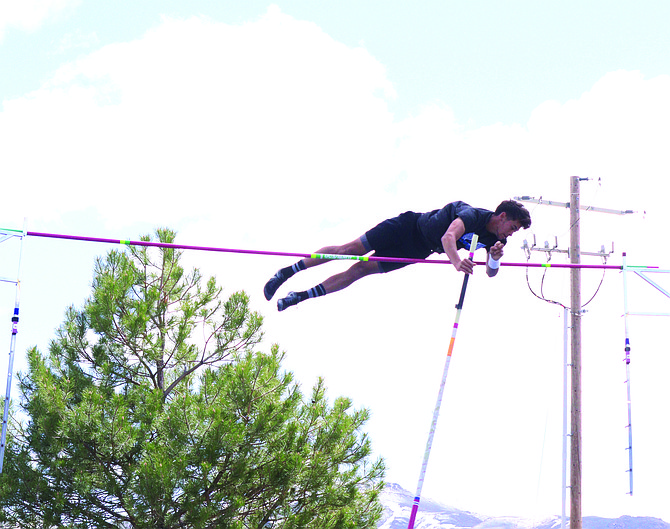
[415, 236]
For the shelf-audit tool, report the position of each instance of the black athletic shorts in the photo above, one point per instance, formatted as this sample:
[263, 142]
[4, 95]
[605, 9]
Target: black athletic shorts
[397, 237]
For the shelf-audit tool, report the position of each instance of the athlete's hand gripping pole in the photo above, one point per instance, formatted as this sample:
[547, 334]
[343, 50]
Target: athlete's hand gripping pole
[436, 412]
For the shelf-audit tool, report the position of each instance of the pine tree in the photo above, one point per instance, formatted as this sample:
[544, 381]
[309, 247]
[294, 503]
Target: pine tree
[153, 409]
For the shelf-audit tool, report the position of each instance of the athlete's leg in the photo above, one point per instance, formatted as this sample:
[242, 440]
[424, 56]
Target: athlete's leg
[332, 284]
[356, 247]
[353, 273]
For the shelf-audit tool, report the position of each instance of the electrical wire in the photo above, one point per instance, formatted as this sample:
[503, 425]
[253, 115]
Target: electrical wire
[555, 302]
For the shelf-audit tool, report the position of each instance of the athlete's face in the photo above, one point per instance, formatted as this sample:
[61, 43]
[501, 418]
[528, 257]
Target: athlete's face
[507, 227]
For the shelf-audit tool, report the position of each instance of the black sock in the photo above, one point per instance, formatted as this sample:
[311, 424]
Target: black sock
[289, 271]
[313, 292]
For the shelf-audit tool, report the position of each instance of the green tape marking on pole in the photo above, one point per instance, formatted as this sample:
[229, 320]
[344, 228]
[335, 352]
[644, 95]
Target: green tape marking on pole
[122, 241]
[546, 265]
[346, 257]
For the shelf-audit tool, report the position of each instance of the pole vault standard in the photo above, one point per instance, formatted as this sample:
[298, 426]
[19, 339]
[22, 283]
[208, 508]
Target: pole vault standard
[12, 346]
[313, 255]
[627, 360]
[438, 404]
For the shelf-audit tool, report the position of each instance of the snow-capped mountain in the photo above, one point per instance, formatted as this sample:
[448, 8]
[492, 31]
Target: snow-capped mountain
[433, 515]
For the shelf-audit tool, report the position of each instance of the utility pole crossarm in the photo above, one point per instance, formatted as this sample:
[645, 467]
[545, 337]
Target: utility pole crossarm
[567, 205]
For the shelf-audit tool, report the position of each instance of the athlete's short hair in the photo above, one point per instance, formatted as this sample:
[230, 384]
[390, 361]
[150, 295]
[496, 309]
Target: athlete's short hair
[515, 211]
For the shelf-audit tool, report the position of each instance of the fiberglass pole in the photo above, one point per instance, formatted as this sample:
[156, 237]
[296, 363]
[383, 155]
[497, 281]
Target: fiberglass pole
[436, 412]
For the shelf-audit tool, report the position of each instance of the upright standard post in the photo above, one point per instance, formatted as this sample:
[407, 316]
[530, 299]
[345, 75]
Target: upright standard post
[10, 368]
[576, 367]
[627, 360]
[436, 412]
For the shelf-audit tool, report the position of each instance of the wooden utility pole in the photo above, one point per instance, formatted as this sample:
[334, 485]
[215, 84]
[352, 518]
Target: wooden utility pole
[576, 365]
[575, 254]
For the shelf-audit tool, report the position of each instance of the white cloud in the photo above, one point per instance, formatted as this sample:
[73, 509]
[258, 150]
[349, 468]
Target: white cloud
[205, 119]
[29, 15]
[619, 121]
[76, 39]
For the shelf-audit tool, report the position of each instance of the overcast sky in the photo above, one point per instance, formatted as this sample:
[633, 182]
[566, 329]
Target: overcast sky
[299, 124]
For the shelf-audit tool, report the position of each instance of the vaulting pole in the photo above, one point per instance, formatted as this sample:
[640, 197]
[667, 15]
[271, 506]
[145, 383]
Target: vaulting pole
[436, 412]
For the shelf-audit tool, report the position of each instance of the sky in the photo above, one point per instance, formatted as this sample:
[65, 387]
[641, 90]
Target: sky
[293, 125]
